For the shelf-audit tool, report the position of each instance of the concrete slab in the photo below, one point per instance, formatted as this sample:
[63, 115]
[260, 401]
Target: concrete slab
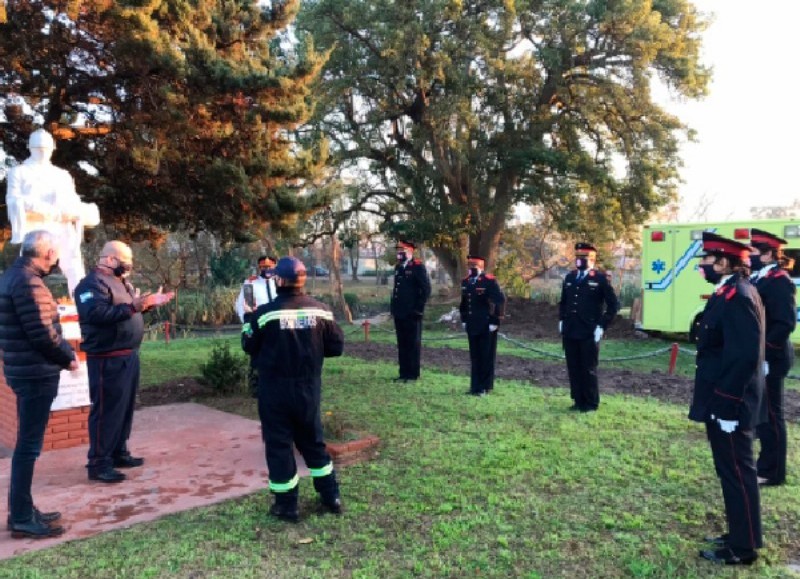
[194, 456]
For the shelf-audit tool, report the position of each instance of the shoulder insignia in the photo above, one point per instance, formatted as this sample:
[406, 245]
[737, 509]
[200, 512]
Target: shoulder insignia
[416, 262]
[730, 292]
[488, 276]
[777, 272]
[252, 278]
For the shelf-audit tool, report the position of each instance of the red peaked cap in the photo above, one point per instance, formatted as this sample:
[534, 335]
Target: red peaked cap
[477, 259]
[582, 247]
[406, 245]
[765, 240]
[714, 244]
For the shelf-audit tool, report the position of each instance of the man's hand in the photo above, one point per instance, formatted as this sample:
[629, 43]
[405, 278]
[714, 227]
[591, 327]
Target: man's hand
[74, 365]
[157, 299]
[598, 333]
[492, 327]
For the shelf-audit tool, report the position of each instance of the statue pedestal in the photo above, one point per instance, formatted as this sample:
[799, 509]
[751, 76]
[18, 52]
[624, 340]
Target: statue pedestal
[69, 414]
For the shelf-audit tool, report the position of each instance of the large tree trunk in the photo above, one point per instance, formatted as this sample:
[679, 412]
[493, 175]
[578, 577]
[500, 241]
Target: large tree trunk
[336, 281]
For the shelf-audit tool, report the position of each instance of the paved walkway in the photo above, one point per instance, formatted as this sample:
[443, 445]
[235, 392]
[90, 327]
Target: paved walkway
[194, 456]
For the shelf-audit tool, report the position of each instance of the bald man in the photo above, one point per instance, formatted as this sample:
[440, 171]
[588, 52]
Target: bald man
[110, 313]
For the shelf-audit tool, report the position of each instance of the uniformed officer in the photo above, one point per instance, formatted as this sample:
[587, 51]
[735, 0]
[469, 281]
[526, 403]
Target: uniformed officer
[727, 392]
[257, 290]
[587, 307]
[112, 328]
[777, 292]
[482, 307]
[412, 288]
[289, 338]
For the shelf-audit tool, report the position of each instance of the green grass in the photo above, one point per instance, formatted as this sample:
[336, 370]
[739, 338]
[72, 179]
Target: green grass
[511, 485]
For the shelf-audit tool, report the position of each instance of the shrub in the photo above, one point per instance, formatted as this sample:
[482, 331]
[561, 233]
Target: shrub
[229, 268]
[225, 371]
[353, 301]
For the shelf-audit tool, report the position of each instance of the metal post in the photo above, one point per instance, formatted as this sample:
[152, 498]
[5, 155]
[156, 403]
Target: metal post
[366, 330]
[673, 358]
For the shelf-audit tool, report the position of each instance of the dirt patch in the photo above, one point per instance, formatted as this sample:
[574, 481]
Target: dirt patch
[186, 389]
[656, 384]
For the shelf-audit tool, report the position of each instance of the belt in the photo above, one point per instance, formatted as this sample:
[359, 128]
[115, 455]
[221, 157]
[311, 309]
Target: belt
[111, 354]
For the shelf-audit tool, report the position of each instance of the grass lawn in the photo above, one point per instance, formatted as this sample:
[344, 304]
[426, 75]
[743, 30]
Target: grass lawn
[511, 485]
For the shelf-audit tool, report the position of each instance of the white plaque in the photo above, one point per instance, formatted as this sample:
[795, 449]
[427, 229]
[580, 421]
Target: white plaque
[73, 389]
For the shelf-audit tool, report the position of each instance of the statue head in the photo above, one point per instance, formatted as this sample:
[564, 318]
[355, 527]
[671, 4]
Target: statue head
[41, 146]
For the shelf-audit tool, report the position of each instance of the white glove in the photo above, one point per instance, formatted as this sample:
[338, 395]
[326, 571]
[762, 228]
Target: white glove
[727, 426]
[598, 333]
[464, 326]
[766, 368]
[492, 327]
[560, 326]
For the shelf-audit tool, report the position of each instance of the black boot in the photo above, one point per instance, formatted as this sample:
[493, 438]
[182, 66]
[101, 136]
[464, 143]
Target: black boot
[285, 506]
[328, 490]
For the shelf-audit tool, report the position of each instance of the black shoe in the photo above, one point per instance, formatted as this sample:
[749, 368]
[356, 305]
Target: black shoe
[107, 476]
[721, 540]
[127, 461]
[334, 506]
[768, 482]
[285, 512]
[38, 515]
[35, 529]
[726, 556]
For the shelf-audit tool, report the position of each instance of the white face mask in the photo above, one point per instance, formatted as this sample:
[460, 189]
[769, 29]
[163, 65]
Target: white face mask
[40, 155]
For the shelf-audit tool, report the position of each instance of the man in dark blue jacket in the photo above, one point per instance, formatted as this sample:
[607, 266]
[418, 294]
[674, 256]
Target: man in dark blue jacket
[587, 307]
[112, 327]
[727, 392]
[777, 292]
[412, 288]
[289, 338]
[482, 307]
[34, 353]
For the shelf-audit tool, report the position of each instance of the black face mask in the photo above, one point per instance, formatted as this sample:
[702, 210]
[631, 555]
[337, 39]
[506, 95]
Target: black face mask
[401, 257]
[121, 269]
[708, 273]
[755, 263]
[265, 273]
[473, 272]
[53, 268]
[582, 263]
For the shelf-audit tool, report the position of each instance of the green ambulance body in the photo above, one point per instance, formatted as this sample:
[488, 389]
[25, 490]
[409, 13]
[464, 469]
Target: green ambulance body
[673, 292]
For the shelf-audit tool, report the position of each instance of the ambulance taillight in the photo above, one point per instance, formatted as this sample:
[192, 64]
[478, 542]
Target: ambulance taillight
[656, 236]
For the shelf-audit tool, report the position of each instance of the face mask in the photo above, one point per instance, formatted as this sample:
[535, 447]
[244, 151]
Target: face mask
[581, 263]
[53, 268]
[708, 273]
[473, 271]
[756, 263]
[265, 273]
[122, 269]
[401, 256]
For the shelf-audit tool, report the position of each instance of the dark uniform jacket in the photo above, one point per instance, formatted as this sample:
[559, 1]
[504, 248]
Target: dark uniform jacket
[412, 288]
[30, 332]
[729, 378]
[109, 321]
[582, 303]
[777, 293]
[482, 303]
[290, 336]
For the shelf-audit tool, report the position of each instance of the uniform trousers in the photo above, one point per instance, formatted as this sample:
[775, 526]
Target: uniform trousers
[736, 468]
[482, 355]
[34, 398]
[409, 346]
[581, 358]
[113, 381]
[289, 410]
[771, 462]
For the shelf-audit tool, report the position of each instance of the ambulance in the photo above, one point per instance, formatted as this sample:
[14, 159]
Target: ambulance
[673, 292]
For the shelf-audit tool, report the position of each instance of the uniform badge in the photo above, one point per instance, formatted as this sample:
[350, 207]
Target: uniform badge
[85, 297]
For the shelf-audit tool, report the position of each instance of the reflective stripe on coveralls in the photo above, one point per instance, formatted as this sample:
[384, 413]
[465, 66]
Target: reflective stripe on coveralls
[276, 487]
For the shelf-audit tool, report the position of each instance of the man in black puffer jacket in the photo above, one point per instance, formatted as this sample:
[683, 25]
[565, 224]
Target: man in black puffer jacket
[34, 353]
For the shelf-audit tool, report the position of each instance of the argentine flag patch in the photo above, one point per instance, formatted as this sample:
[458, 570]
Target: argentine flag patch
[85, 296]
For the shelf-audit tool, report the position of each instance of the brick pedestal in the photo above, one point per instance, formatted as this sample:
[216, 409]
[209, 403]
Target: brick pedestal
[68, 423]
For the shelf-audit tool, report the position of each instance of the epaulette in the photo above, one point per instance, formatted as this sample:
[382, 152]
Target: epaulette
[252, 278]
[778, 272]
[416, 262]
[730, 293]
[592, 273]
[488, 276]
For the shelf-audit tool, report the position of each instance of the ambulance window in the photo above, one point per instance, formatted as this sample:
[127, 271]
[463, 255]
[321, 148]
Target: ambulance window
[795, 255]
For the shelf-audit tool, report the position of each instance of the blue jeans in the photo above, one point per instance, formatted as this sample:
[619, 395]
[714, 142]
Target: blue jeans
[34, 398]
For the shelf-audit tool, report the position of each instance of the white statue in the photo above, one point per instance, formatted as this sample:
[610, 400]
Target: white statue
[42, 196]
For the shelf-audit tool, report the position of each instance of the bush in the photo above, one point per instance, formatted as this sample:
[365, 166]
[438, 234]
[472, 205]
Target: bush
[209, 307]
[229, 268]
[226, 372]
[353, 301]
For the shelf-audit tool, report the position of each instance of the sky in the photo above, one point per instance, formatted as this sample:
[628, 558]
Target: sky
[747, 126]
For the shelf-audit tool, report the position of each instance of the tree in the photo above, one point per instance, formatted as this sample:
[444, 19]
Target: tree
[170, 113]
[463, 108]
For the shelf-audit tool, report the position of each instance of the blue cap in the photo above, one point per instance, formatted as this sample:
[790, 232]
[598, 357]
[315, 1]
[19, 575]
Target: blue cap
[289, 269]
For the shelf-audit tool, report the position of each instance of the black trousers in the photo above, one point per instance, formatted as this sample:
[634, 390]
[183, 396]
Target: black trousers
[482, 356]
[289, 411]
[34, 398]
[736, 468]
[409, 346]
[771, 462]
[582, 369]
[113, 381]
